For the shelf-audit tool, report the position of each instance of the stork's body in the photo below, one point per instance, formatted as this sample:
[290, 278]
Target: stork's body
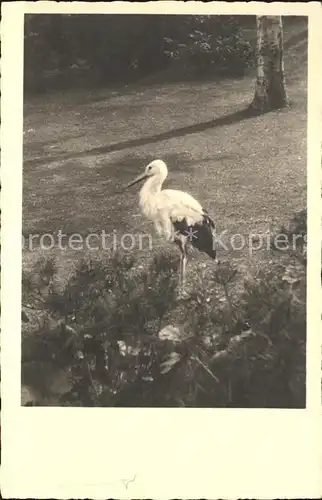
[175, 214]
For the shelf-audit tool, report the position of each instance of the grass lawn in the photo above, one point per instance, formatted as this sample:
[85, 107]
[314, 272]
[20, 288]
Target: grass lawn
[81, 147]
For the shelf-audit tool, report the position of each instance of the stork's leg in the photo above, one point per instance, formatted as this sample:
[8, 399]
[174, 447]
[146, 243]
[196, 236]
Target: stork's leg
[180, 271]
[183, 261]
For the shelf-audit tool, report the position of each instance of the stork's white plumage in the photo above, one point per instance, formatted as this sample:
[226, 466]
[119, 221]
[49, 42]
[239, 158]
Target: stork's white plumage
[176, 214]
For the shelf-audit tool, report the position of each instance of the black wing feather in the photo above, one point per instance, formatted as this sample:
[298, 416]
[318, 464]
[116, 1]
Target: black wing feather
[200, 235]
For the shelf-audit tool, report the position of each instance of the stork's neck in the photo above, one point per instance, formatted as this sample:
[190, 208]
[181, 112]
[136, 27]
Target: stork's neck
[150, 189]
[152, 186]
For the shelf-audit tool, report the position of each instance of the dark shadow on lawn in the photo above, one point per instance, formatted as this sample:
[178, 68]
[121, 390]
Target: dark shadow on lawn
[131, 143]
[295, 39]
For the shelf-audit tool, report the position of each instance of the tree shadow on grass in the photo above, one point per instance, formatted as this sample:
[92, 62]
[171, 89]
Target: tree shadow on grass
[298, 37]
[131, 143]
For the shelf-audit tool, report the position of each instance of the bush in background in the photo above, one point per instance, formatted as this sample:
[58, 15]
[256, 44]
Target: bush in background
[115, 335]
[66, 51]
[211, 45]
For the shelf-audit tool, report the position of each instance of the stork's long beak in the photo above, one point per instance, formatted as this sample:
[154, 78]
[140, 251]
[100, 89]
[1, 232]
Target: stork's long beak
[139, 178]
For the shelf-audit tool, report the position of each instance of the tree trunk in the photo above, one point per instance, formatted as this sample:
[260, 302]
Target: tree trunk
[270, 92]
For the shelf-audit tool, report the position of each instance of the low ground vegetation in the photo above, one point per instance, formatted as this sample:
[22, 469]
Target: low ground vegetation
[116, 335]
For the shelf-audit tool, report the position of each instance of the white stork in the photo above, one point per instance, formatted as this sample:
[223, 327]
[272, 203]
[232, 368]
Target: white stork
[176, 214]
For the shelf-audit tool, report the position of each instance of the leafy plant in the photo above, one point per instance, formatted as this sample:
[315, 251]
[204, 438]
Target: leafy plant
[211, 45]
[116, 335]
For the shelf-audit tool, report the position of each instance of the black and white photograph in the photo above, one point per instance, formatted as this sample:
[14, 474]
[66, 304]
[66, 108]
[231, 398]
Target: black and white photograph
[164, 211]
[160, 250]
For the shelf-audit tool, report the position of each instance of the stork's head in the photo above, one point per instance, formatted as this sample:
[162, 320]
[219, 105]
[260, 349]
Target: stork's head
[157, 168]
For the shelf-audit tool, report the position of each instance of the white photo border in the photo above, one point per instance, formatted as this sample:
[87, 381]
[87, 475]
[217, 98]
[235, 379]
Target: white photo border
[144, 453]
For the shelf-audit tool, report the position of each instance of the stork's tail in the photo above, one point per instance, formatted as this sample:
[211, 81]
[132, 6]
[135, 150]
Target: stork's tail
[208, 219]
[209, 223]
